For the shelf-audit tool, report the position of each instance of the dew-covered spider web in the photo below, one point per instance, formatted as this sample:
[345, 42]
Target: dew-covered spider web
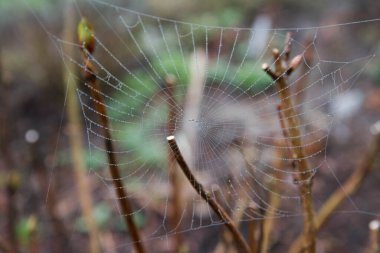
[226, 119]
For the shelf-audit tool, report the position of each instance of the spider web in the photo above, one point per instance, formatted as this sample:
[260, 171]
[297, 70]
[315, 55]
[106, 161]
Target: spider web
[226, 120]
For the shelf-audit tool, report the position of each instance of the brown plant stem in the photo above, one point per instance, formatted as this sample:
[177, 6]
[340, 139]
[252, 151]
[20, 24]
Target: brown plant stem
[293, 130]
[227, 240]
[172, 165]
[11, 189]
[91, 79]
[256, 239]
[120, 189]
[76, 137]
[4, 246]
[252, 226]
[274, 202]
[6, 122]
[347, 189]
[223, 215]
[374, 227]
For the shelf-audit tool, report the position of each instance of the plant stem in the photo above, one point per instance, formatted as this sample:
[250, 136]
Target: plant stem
[223, 215]
[374, 227]
[174, 179]
[256, 243]
[252, 226]
[85, 35]
[274, 202]
[76, 138]
[293, 130]
[4, 246]
[121, 192]
[6, 124]
[347, 189]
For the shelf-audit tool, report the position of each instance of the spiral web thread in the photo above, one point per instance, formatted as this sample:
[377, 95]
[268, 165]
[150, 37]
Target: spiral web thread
[229, 136]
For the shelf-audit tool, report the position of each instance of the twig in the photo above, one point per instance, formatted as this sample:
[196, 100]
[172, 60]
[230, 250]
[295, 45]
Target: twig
[12, 186]
[252, 235]
[256, 239]
[274, 202]
[6, 123]
[282, 122]
[348, 188]
[239, 239]
[288, 46]
[76, 138]
[85, 35]
[4, 246]
[293, 129]
[374, 227]
[174, 179]
[240, 207]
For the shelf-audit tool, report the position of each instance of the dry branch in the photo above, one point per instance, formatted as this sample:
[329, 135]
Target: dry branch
[223, 215]
[374, 227]
[291, 120]
[255, 230]
[274, 202]
[176, 205]
[86, 39]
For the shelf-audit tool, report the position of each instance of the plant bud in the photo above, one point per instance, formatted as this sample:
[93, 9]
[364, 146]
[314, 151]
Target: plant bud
[295, 62]
[86, 35]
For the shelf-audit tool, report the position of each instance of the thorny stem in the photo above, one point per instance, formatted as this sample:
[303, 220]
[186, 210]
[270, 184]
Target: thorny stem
[86, 39]
[347, 189]
[301, 166]
[223, 215]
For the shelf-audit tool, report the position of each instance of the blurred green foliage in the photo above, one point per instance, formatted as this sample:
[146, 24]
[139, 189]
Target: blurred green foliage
[25, 227]
[246, 77]
[228, 17]
[138, 217]
[7, 6]
[103, 217]
[145, 88]
[150, 151]
[94, 159]
[102, 214]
